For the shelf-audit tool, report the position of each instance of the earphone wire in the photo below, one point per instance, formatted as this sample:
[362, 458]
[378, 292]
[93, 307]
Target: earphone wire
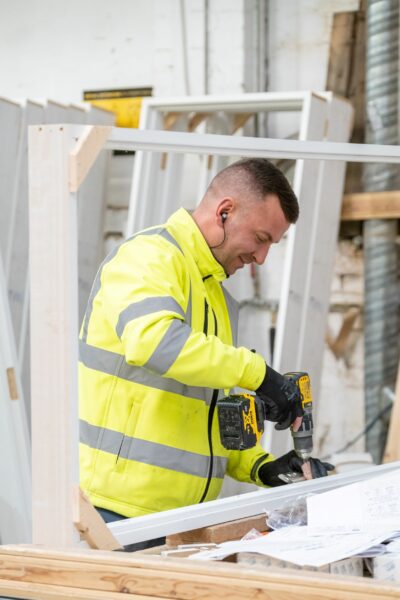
[223, 241]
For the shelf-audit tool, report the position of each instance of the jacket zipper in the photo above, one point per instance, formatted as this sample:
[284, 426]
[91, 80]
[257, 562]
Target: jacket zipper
[205, 326]
[211, 411]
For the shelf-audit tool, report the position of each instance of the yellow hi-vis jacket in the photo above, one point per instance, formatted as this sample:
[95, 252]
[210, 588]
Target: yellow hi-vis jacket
[156, 341]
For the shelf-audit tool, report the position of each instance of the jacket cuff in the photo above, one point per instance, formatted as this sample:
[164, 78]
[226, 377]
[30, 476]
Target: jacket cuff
[265, 458]
[254, 373]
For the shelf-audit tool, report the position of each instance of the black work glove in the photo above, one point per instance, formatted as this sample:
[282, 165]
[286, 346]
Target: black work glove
[281, 399]
[268, 472]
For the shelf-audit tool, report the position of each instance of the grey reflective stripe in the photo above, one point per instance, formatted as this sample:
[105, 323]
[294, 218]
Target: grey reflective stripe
[166, 234]
[189, 308]
[97, 282]
[170, 347]
[99, 359]
[114, 364]
[100, 438]
[219, 466]
[233, 311]
[151, 453]
[145, 307]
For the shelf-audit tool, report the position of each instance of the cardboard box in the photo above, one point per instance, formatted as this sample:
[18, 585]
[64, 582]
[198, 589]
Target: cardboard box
[386, 567]
[348, 566]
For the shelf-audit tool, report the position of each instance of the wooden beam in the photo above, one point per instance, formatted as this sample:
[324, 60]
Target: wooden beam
[54, 334]
[85, 153]
[170, 119]
[340, 52]
[346, 76]
[240, 120]
[371, 205]
[356, 81]
[110, 573]
[44, 591]
[232, 530]
[90, 525]
[195, 120]
[339, 345]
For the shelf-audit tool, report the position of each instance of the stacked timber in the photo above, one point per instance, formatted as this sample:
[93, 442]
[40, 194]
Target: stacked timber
[38, 573]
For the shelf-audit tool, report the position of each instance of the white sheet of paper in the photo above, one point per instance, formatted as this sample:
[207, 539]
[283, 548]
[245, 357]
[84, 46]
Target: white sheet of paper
[296, 545]
[341, 523]
[393, 546]
[364, 506]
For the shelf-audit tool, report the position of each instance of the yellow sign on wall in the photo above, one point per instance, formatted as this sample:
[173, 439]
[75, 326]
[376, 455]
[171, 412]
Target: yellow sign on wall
[125, 103]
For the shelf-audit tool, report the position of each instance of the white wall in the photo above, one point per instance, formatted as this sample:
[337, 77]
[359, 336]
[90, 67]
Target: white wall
[54, 49]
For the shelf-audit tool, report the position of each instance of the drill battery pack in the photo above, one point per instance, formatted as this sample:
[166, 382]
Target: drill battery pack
[241, 421]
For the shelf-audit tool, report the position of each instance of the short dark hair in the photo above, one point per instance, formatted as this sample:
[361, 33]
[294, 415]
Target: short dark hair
[263, 178]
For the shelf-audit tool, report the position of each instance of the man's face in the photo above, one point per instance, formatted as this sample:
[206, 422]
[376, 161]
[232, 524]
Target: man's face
[249, 232]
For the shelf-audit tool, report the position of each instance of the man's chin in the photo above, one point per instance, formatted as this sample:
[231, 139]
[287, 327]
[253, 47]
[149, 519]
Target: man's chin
[232, 269]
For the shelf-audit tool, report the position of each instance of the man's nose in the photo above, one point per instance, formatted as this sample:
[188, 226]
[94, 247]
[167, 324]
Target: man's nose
[260, 255]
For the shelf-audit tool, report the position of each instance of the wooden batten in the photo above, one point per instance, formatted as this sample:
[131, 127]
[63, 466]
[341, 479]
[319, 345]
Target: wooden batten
[240, 121]
[195, 120]
[39, 571]
[90, 525]
[85, 153]
[371, 205]
[54, 333]
[341, 343]
[340, 52]
[232, 530]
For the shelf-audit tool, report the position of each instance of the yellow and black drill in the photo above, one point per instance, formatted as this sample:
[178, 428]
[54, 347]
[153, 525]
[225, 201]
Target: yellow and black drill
[241, 419]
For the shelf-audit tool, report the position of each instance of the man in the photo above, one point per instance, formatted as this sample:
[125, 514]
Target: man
[158, 346]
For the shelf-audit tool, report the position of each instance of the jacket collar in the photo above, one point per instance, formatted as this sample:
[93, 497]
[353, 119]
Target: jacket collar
[188, 235]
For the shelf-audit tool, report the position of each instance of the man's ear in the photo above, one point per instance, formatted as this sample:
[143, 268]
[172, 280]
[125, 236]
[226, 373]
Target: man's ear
[223, 210]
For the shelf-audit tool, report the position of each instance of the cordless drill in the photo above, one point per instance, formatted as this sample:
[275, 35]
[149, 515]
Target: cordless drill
[241, 419]
[303, 437]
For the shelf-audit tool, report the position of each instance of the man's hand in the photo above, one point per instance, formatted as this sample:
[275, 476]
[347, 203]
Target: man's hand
[269, 472]
[281, 399]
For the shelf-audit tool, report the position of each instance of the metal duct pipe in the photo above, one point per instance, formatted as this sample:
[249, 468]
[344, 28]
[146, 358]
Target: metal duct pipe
[380, 252]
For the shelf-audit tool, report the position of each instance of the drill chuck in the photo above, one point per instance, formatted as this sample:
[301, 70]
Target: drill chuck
[303, 437]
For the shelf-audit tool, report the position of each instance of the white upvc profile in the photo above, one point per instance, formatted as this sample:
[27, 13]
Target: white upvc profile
[15, 118]
[15, 460]
[138, 529]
